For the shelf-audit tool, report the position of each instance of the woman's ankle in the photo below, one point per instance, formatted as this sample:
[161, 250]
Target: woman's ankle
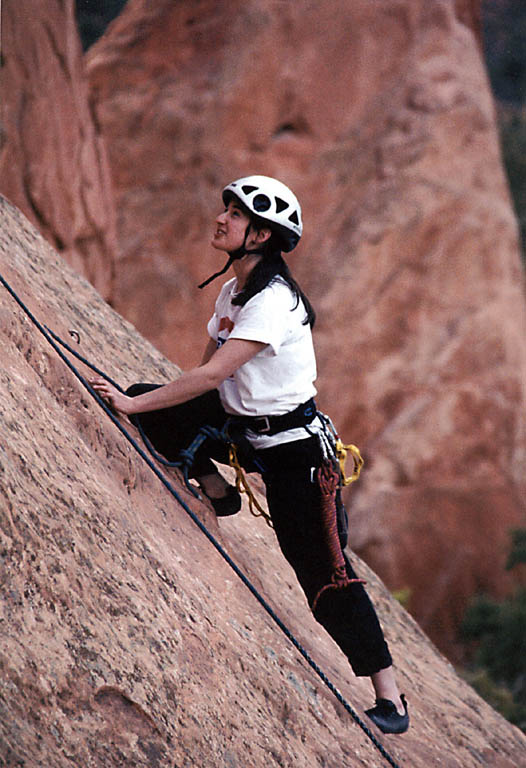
[385, 687]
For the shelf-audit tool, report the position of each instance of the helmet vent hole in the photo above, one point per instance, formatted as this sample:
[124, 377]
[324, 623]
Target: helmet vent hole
[280, 205]
[247, 189]
[261, 203]
[294, 217]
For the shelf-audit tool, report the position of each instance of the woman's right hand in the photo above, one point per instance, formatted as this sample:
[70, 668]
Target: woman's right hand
[118, 401]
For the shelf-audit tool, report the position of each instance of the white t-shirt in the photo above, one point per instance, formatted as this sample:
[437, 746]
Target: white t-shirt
[281, 376]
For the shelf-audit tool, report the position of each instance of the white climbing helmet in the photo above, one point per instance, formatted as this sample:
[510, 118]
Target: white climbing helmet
[272, 201]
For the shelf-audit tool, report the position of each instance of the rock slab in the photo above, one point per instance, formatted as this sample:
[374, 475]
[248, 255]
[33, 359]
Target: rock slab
[126, 639]
[380, 117]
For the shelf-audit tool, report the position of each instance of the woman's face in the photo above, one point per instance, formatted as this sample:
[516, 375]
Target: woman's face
[231, 226]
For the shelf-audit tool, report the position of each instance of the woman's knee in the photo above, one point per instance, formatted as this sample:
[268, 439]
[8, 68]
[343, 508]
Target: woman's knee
[140, 389]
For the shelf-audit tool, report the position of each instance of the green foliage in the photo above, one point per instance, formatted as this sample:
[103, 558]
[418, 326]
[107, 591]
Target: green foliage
[497, 631]
[499, 697]
[93, 16]
[403, 596]
[512, 125]
[504, 34]
[518, 548]
[500, 629]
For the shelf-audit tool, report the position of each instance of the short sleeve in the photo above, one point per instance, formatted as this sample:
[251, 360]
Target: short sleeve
[266, 317]
[213, 326]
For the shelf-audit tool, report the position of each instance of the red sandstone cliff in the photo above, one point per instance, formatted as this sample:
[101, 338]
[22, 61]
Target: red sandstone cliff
[53, 164]
[126, 640]
[379, 115]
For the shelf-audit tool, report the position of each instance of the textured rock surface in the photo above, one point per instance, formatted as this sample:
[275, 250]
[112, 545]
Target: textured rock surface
[126, 639]
[52, 161]
[380, 116]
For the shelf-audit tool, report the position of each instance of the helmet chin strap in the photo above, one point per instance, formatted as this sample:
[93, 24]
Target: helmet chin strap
[232, 256]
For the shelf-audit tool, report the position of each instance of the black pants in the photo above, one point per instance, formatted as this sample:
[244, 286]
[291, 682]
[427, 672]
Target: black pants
[294, 502]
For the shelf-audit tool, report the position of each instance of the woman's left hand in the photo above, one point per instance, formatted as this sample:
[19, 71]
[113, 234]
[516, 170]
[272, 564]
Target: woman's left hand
[118, 401]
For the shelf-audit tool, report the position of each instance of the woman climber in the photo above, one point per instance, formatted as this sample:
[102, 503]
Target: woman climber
[258, 373]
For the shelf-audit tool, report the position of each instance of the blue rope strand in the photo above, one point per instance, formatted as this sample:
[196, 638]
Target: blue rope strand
[187, 454]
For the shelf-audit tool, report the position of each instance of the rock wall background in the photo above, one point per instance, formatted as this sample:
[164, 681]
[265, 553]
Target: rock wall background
[53, 162]
[126, 639]
[381, 118]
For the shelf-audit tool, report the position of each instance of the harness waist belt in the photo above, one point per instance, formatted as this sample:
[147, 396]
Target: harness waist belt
[271, 425]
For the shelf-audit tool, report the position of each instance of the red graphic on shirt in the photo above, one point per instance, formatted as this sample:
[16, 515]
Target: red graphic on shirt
[226, 324]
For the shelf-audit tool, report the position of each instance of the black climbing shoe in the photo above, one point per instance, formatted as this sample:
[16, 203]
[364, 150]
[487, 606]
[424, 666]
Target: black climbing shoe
[227, 505]
[386, 717]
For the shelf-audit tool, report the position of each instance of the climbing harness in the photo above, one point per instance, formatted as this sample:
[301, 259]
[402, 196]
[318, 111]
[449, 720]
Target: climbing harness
[56, 343]
[187, 455]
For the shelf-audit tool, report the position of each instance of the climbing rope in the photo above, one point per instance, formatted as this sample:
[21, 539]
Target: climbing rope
[187, 454]
[243, 487]
[54, 342]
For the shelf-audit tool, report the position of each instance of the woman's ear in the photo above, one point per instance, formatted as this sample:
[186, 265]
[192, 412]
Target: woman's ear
[263, 235]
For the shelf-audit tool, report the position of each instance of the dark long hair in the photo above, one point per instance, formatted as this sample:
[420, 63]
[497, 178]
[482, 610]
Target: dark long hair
[268, 270]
